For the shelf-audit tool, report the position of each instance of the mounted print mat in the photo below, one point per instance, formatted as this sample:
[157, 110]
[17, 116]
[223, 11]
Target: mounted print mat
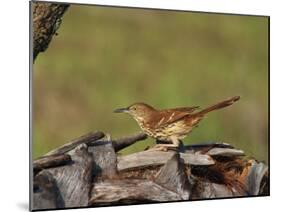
[138, 105]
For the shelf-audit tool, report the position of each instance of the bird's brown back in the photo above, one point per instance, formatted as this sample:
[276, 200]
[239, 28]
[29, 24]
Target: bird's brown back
[165, 117]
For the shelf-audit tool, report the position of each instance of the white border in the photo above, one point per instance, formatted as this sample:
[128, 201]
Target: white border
[14, 115]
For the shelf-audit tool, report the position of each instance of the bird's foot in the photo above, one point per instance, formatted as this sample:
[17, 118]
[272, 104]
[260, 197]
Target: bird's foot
[163, 147]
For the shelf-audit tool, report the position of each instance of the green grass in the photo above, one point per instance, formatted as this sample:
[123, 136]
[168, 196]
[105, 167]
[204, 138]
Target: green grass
[105, 58]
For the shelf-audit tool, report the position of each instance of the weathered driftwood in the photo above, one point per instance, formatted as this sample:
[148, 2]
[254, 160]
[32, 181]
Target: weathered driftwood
[208, 146]
[173, 177]
[104, 158]
[50, 161]
[46, 194]
[95, 175]
[130, 191]
[46, 21]
[208, 190]
[85, 139]
[73, 180]
[155, 158]
[226, 152]
[254, 179]
[122, 143]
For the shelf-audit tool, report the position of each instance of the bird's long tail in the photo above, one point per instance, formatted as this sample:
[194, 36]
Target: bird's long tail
[217, 106]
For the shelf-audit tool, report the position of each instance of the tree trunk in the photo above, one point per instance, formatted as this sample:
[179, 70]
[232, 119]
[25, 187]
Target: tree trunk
[46, 19]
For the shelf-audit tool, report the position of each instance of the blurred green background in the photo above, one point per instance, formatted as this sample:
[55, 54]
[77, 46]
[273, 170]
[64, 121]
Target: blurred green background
[105, 58]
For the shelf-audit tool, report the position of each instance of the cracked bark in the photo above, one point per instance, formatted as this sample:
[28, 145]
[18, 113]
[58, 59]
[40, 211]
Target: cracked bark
[46, 19]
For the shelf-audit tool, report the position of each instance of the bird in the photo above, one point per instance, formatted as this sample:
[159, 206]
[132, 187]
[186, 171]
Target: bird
[170, 125]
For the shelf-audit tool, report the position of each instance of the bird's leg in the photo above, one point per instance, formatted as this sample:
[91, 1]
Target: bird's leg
[175, 140]
[164, 147]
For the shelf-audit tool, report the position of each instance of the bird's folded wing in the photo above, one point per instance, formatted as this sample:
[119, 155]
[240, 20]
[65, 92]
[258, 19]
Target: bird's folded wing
[166, 117]
[183, 109]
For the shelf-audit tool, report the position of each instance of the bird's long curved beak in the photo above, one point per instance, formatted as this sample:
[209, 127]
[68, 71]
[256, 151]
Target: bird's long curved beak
[121, 110]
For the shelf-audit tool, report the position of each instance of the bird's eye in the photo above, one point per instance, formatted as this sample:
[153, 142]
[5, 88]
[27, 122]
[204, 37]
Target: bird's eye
[134, 108]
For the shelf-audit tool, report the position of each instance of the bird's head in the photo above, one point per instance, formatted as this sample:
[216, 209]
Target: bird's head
[139, 111]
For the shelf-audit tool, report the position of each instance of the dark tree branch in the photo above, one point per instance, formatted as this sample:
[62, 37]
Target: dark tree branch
[46, 21]
[85, 139]
[122, 143]
[50, 161]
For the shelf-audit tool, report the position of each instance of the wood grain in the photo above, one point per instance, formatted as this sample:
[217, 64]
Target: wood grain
[173, 177]
[155, 158]
[104, 158]
[74, 180]
[130, 191]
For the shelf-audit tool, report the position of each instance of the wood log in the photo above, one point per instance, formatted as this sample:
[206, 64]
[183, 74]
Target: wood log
[112, 192]
[196, 147]
[46, 194]
[256, 173]
[74, 180]
[50, 161]
[96, 176]
[156, 158]
[173, 177]
[85, 139]
[225, 152]
[104, 158]
[209, 190]
[122, 143]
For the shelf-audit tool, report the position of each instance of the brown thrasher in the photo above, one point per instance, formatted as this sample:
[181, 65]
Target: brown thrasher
[170, 125]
